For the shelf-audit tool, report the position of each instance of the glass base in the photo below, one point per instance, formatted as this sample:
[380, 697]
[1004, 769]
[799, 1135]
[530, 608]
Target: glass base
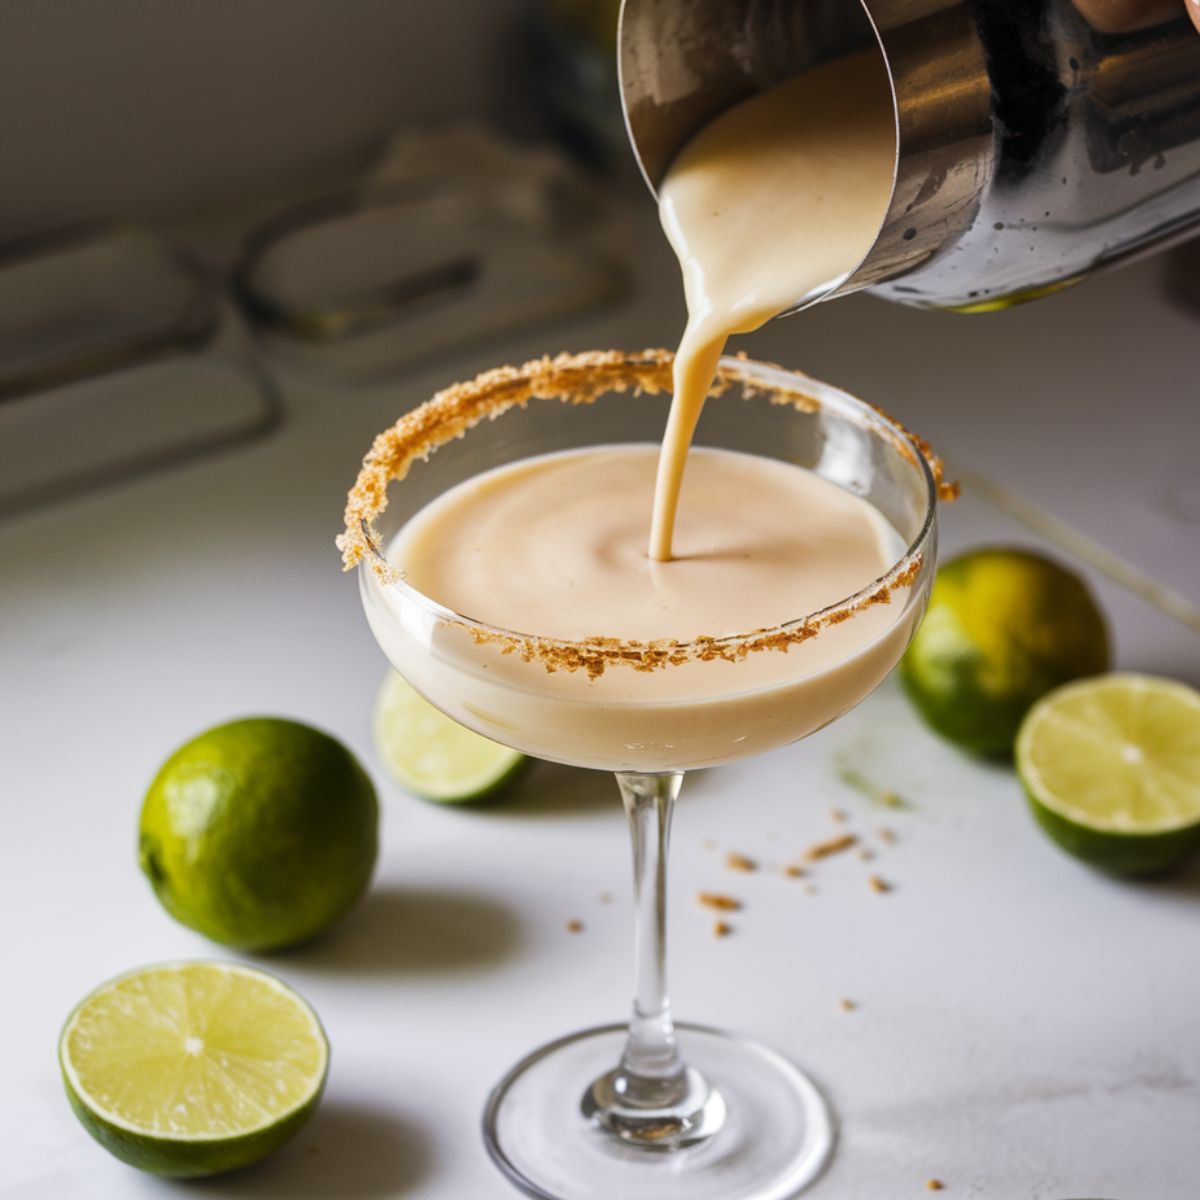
[776, 1136]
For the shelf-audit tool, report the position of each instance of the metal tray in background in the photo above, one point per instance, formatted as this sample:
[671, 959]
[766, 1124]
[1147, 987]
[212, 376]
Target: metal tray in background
[365, 287]
[116, 357]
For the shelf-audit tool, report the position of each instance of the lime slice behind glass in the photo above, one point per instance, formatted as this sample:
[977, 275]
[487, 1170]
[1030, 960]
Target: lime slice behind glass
[434, 757]
[194, 1068]
[1111, 766]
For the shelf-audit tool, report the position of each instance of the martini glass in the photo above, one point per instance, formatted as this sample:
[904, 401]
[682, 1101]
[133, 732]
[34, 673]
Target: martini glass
[652, 1109]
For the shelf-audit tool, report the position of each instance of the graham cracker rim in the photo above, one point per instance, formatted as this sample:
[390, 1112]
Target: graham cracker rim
[581, 379]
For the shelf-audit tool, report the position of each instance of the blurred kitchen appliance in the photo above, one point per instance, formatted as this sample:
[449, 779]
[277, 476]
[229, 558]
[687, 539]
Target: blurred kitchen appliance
[1035, 145]
[454, 239]
[116, 357]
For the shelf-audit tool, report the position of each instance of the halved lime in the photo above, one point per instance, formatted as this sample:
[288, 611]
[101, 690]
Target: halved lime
[432, 756]
[193, 1068]
[1111, 767]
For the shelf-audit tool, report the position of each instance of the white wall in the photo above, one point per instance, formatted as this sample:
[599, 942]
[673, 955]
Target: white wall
[113, 107]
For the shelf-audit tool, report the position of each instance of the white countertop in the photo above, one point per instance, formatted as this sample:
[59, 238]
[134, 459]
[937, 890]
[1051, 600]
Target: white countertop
[1025, 1028]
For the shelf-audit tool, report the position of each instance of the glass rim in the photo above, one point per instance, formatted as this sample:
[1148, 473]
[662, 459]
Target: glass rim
[780, 385]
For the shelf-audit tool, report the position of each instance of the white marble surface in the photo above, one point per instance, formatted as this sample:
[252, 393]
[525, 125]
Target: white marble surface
[1024, 1029]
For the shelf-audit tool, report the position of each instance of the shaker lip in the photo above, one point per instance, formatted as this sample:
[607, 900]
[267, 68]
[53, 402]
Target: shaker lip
[682, 62]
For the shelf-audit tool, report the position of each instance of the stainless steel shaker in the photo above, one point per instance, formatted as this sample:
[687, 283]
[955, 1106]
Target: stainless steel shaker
[1034, 147]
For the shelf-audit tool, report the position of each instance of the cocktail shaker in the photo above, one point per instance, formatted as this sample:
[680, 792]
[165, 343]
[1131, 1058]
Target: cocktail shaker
[1038, 140]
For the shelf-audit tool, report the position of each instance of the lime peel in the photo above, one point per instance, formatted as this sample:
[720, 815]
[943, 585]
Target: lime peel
[431, 755]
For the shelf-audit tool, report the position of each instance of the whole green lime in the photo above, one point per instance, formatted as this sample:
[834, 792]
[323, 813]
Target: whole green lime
[260, 833]
[1003, 628]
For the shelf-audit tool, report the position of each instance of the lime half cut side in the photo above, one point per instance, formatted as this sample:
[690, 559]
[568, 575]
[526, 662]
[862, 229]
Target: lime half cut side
[1111, 766]
[193, 1068]
[432, 756]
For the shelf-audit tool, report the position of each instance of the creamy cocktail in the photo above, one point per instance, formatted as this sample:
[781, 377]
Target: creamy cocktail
[556, 545]
[580, 593]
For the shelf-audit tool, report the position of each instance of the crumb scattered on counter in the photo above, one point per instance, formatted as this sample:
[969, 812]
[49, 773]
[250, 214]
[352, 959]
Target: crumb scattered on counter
[934, 1185]
[722, 929]
[893, 800]
[708, 844]
[865, 855]
[846, 1004]
[794, 871]
[810, 889]
[574, 926]
[719, 901]
[838, 815]
[605, 897]
[879, 885]
[833, 845]
[739, 862]
[886, 835]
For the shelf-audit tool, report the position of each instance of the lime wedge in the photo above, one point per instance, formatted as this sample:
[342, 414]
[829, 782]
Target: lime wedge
[432, 756]
[1111, 766]
[193, 1068]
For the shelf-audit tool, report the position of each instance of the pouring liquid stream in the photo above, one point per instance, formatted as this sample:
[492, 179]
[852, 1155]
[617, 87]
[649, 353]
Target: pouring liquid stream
[774, 203]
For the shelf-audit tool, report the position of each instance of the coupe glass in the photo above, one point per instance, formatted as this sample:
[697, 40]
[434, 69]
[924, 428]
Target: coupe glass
[654, 1110]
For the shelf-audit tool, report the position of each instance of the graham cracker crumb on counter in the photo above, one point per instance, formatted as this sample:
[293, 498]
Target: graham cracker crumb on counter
[879, 885]
[865, 855]
[833, 845]
[605, 897]
[574, 926]
[739, 862]
[838, 815]
[886, 836]
[934, 1185]
[794, 871]
[719, 901]
[847, 1005]
[722, 929]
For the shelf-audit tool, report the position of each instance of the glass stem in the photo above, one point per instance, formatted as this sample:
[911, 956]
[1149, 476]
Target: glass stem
[651, 1061]
[652, 1098]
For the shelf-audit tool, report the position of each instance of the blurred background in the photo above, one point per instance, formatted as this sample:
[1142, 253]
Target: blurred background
[203, 204]
[237, 240]
[135, 109]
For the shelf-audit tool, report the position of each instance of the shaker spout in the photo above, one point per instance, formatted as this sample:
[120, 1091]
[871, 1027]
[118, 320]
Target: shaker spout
[1034, 147]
